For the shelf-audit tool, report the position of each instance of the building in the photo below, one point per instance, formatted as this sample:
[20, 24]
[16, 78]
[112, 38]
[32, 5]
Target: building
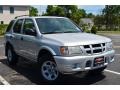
[87, 23]
[9, 12]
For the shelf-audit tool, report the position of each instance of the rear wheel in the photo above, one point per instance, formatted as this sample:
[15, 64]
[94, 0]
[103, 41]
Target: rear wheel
[12, 57]
[48, 69]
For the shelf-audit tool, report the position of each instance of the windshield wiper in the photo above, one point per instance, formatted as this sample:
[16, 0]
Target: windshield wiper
[51, 32]
[71, 31]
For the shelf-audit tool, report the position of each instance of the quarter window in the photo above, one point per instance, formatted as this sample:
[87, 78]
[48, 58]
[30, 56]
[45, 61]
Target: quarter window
[17, 26]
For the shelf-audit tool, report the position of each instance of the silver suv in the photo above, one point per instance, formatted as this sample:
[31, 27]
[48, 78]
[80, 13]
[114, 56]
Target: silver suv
[58, 45]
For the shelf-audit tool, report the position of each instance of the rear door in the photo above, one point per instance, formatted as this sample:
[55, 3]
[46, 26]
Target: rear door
[16, 35]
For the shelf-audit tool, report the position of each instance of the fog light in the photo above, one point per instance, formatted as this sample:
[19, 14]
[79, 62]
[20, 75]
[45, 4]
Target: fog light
[88, 63]
[106, 59]
[111, 58]
[76, 65]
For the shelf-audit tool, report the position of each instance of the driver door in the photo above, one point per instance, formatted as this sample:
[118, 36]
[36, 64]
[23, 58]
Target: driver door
[29, 40]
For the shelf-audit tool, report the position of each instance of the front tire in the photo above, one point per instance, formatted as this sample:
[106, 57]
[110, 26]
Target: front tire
[12, 57]
[48, 69]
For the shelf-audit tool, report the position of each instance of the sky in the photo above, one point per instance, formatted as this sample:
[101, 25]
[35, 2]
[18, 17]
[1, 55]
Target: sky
[95, 9]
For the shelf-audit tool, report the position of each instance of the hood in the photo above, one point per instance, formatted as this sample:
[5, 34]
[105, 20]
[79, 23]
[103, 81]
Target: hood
[72, 39]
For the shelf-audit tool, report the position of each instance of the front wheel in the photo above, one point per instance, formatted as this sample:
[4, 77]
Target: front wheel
[48, 69]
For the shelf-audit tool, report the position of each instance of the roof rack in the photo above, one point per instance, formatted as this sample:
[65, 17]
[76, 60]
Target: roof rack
[20, 16]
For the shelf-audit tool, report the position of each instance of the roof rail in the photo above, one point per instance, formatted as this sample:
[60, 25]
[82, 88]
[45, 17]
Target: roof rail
[20, 16]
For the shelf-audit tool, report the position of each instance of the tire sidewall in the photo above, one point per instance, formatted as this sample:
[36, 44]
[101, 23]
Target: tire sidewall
[14, 58]
[41, 61]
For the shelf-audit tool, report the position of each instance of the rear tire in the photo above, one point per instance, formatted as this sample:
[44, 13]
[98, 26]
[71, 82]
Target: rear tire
[48, 69]
[12, 57]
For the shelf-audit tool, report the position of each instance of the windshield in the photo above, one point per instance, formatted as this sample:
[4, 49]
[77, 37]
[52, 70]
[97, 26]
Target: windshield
[56, 25]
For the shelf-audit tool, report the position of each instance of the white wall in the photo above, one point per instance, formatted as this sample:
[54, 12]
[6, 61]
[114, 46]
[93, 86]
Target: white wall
[6, 16]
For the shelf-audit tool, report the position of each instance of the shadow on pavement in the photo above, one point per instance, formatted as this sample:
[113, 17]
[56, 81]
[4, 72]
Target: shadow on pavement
[30, 70]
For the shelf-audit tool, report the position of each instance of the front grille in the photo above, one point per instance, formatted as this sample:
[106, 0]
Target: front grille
[94, 48]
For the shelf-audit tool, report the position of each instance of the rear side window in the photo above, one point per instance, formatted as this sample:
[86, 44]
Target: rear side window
[18, 25]
[9, 26]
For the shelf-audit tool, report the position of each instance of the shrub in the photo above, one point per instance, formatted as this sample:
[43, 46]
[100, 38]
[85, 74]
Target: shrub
[94, 30]
[3, 28]
[87, 31]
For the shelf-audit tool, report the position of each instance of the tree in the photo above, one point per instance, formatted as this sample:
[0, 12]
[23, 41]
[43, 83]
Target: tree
[112, 16]
[33, 11]
[90, 15]
[54, 11]
[70, 11]
[83, 13]
[99, 21]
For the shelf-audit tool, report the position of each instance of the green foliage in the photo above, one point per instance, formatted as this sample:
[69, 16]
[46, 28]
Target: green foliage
[94, 30]
[90, 15]
[70, 11]
[55, 11]
[3, 28]
[87, 31]
[99, 21]
[33, 11]
[84, 27]
[109, 19]
[112, 16]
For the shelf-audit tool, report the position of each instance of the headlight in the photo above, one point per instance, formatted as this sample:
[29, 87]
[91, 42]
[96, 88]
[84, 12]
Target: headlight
[72, 50]
[109, 46]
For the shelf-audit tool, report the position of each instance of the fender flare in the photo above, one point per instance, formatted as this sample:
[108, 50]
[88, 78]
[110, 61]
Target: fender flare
[48, 49]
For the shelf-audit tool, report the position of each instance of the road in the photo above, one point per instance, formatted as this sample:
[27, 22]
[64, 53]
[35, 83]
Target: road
[27, 73]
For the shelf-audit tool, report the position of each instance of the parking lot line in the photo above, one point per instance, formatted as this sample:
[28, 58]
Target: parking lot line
[114, 72]
[2, 80]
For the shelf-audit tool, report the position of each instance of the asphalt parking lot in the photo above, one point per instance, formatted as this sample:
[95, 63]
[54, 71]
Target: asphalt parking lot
[27, 73]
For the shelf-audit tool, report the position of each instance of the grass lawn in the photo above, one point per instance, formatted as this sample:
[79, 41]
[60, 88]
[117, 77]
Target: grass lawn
[108, 32]
[1, 36]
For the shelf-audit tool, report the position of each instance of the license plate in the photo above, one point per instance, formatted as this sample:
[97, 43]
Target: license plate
[99, 61]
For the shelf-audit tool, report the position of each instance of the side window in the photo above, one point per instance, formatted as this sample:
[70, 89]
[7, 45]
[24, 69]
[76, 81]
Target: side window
[17, 26]
[29, 27]
[9, 26]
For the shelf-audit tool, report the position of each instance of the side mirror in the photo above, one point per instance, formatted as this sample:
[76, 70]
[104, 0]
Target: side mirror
[30, 31]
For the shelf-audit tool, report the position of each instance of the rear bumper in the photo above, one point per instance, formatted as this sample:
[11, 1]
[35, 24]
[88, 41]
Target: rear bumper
[78, 63]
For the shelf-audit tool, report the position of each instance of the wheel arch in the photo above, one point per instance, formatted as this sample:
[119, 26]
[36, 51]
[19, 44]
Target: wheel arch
[45, 50]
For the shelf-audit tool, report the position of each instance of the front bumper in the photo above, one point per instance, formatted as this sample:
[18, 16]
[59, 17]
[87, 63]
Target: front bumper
[78, 63]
